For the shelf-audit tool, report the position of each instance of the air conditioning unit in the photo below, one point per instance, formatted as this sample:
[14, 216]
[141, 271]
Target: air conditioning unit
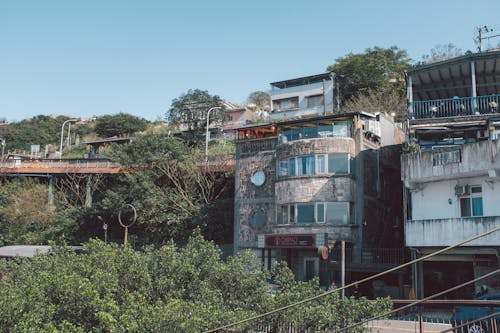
[462, 190]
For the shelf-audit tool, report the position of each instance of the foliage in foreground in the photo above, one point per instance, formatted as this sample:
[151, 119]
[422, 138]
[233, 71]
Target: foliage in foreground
[117, 289]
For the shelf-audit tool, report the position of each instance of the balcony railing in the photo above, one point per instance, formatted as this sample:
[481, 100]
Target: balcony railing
[374, 256]
[297, 113]
[448, 231]
[453, 107]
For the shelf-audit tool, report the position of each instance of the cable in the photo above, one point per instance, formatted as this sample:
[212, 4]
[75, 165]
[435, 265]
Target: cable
[354, 283]
[420, 301]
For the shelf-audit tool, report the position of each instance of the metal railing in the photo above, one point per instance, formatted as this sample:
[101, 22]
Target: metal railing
[453, 107]
[374, 256]
[53, 164]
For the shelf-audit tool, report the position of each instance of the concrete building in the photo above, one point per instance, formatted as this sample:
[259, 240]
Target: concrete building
[451, 171]
[308, 181]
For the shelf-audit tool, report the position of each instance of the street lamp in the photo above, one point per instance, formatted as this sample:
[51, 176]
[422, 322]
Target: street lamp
[62, 134]
[207, 132]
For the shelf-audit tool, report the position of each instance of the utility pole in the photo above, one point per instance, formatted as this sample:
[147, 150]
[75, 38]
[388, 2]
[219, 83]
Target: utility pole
[480, 37]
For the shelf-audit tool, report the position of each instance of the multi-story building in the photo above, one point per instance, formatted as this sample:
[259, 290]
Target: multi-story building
[452, 171]
[309, 181]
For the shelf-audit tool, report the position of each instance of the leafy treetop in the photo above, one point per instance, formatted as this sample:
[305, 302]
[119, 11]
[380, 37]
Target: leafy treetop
[121, 124]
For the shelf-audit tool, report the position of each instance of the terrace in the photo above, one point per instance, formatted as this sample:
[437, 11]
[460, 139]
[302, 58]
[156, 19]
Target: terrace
[464, 86]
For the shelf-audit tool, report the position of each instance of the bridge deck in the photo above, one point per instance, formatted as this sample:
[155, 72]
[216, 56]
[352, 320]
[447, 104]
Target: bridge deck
[59, 166]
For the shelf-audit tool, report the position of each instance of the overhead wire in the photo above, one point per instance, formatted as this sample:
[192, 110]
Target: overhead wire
[309, 299]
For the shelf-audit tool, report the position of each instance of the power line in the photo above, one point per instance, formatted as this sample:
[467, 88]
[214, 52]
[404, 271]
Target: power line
[354, 283]
[420, 301]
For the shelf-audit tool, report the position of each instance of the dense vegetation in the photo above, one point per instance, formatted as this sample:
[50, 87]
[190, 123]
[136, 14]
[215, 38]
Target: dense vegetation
[190, 289]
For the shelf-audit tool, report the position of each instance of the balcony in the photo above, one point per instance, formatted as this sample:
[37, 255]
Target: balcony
[468, 160]
[454, 107]
[445, 232]
[277, 93]
[297, 113]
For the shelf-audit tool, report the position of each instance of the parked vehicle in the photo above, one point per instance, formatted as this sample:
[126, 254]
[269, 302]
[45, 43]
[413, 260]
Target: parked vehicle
[473, 314]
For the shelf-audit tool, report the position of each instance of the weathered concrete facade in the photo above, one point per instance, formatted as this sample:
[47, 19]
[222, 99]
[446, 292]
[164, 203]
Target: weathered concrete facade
[317, 192]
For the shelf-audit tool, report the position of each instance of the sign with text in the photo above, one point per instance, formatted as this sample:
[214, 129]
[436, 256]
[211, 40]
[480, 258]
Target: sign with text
[290, 241]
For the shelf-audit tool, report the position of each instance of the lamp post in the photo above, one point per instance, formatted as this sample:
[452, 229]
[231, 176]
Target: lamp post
[207, 133]
[62, 135]
[3, 147]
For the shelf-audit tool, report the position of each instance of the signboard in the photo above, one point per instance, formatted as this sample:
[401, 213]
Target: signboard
[290, 241]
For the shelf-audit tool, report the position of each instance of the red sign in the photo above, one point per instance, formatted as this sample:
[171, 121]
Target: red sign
[290, 241]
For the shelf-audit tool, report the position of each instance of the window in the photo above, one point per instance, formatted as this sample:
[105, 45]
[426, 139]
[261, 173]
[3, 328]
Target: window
[314, 101]
[337, 213]
[305, 165]
[286, 104]
[305, 213]
[472, 203]
[282, 169]
[282, 216]
[342, 129]
[338, 163]
[321, 164]
[291, 171]
[314, 212]
[320, 211]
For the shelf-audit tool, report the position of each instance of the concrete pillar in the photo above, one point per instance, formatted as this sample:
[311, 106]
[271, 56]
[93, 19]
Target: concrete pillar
[51, 192]
[88, 196]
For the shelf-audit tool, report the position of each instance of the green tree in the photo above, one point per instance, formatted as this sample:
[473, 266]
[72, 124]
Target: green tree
[39, 130]
[189, 112]
[377, 69]
[26, 218]
[260, 99]
[166, 185]
[380, 102]
[172, 289]
[120, 124]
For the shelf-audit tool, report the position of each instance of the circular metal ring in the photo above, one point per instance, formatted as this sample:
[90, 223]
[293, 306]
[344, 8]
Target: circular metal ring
[120, 215]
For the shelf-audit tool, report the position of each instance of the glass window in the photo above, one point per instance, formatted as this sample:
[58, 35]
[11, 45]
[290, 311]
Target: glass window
[321, 164]
[314, 101]
[337, 212]
[305, 213]
[320, 212]
[472, 204]
[305, 165]
[341, 129]
[291, 170]
[282, 169]
[292, 214]
[338, 163]
[286, 104]
[325, 131]
[310, 132]
[282, 216]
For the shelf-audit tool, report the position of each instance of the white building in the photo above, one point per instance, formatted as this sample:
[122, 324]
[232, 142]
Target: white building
[452, 171]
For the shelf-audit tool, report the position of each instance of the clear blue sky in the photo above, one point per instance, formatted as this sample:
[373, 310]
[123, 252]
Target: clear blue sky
[96, 57]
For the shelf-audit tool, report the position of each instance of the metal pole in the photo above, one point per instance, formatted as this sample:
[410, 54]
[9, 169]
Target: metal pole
[207, 133]
[3, 148]
[342, 268]
[62, 136]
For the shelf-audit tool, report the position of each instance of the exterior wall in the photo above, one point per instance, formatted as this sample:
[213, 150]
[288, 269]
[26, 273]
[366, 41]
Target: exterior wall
[445, 232]
[250, 198]
[302, 92]
[476, 159]
[432, 200]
